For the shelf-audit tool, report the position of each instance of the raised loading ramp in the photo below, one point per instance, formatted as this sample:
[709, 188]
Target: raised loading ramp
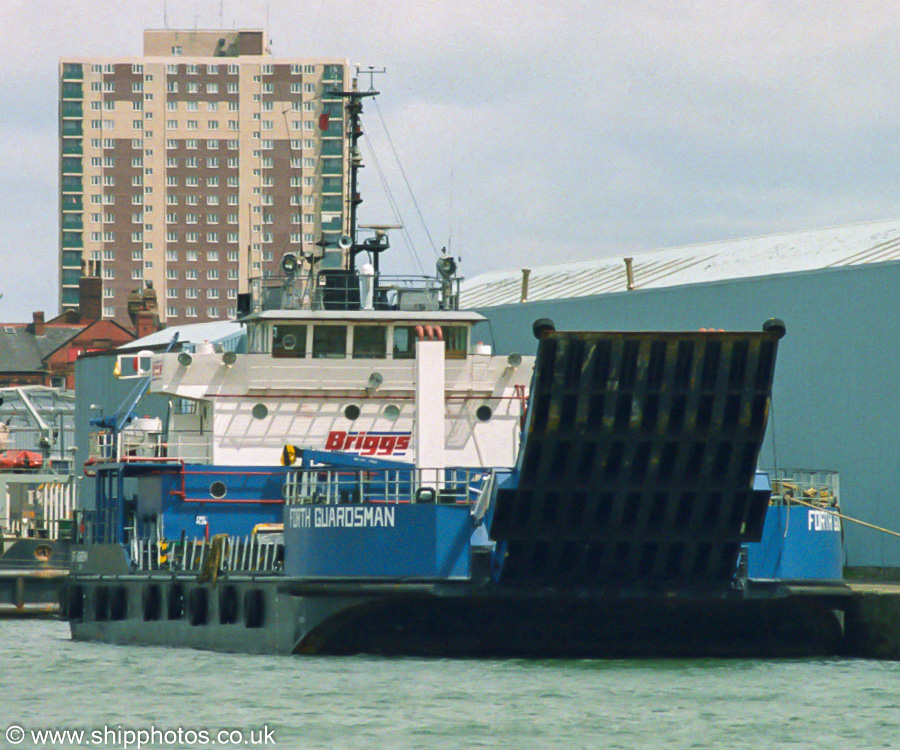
[639, 459]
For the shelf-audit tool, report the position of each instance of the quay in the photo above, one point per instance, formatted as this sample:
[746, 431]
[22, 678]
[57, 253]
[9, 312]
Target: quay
[872, 620]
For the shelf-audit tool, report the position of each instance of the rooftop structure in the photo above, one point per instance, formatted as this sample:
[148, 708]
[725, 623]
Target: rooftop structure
[876, 242]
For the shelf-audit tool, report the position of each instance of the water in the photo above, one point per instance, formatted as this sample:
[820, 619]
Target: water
[50, 682]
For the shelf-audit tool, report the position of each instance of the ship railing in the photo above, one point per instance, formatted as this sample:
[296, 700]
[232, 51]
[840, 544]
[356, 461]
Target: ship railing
[817, 487]
[340, 289]
[329, 486]
[189, 447]
[32, 508]
[242, 554]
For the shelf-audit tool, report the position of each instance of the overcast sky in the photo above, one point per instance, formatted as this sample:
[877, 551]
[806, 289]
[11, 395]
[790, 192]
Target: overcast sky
[530, 133]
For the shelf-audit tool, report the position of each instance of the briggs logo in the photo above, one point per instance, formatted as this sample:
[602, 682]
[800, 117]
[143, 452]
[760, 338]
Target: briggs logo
[369, 443]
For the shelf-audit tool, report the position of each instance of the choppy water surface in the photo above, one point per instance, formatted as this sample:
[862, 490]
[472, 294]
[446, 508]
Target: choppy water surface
[364, 702]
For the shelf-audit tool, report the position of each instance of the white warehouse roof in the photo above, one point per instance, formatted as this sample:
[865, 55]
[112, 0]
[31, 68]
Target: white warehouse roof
[714, 261]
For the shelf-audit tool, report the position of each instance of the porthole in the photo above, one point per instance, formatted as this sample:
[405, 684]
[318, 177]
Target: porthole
[217, 489]
[484, 412]
[392, 412]
[260, 411]
[289, 342]
[351, 411]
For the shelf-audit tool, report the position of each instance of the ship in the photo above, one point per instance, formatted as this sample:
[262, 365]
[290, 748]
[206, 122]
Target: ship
[369, 477]
[36, 499]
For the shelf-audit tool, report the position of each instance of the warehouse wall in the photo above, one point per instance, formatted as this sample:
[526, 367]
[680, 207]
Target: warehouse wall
[835, 403]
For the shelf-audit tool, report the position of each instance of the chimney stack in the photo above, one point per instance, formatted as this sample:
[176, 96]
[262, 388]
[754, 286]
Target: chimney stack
[144, 323]
[90, 293]
[37, 322]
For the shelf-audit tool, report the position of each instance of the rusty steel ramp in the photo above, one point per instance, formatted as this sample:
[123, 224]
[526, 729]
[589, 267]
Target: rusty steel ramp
[638, 461]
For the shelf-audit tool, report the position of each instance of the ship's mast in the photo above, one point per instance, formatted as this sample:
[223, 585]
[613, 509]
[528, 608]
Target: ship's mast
[354, 99]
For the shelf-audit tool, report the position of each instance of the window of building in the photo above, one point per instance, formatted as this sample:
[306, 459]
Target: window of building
[176, 50]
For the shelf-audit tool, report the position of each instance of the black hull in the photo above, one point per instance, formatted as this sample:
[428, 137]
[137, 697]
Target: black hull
[272, 615]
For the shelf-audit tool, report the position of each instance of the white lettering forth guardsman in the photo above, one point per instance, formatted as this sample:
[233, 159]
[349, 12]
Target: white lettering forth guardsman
[342, 516]
[821, 520]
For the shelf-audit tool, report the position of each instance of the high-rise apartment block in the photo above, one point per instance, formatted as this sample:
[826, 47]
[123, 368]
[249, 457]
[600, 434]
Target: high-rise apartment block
[196, 167]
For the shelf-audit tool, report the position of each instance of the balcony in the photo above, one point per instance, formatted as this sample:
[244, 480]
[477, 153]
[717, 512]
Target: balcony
[71, 109]
[72, 148]
[71, 128]
[71, 165]
[72, 240]
[72, 221]
[72, 72]
[332, 148]
[333, 225]
[71, 185]
[335, 130]
[333, 73]
[331, 203]
[72, 91]
[71, 259]
[332, 167]
[332, 185]
[71, 203]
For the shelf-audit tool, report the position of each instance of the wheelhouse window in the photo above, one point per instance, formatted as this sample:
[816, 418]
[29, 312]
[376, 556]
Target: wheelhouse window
[329, 342]
[288, 341]
[369, 342]
[456, 341]
[404, 342]
[258, 336]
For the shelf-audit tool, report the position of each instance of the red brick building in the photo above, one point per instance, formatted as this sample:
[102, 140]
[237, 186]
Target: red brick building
[44, 352]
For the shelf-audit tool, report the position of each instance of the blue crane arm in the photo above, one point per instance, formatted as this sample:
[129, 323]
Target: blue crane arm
[125, 413]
